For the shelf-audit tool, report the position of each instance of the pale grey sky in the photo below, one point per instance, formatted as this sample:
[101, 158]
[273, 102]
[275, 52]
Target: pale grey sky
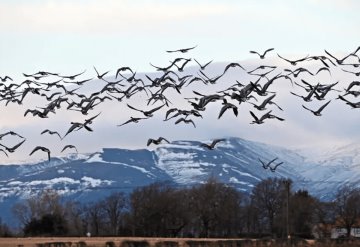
[71, 36]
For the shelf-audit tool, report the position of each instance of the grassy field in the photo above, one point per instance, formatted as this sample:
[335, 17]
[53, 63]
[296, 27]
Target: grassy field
[164, 242]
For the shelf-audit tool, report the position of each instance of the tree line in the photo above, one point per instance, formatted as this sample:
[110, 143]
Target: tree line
[212, 209]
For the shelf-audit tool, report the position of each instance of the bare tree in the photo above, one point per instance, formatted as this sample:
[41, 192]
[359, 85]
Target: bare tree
[268, 198]
[347, 205]
[95, 217]
[216, 208]
[158, 210]
[302, 213]
[47, 202]
[114, 206]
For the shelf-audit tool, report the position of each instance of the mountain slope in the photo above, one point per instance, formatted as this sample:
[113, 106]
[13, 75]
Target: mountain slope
[235, 161]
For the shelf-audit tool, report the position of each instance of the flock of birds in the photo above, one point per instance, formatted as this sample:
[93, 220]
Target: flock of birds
[173, 77]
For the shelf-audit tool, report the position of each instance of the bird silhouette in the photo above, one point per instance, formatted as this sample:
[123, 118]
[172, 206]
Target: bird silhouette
[184, 50]
[353, 83]
[148, 113]
[339, 61]
[4, 79]
[10, 133]
[186, 121]
[44, 149]
[156, 141]
[267, 165]
[351, 72]
[227, 106]
[12, 149]
[273, 169]
[72, 77]
[51, 133]
[352, 104]
[202, 67]
[132, 120]
[262, 56]
[101, 76]
[69, 146]
[263, 117]
[317, 112]
[269, 101]
[293, 62]
[211, 146]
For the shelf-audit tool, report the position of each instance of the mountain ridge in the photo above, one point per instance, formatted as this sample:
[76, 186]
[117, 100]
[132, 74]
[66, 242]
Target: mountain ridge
[235, 161]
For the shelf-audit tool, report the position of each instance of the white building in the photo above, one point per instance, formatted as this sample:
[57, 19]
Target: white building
[341, 232]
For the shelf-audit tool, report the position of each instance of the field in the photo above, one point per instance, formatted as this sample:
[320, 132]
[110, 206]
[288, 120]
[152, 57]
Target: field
[163, 242]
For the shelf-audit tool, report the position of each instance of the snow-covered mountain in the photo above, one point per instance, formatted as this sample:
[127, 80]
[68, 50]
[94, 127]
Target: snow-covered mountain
[89, 177]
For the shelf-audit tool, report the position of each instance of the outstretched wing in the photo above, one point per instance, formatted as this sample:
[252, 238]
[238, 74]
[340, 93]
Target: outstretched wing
[322, 107]
[131, 107]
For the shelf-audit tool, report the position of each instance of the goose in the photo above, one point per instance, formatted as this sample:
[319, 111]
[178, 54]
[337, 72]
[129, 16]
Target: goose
[269, 101]
[12, 149]
[44, 149]
[267, 165]
[211, 146]
[293, 62]
[156, 141]
[69, 146]
[148, 113]
[131, 120]
[51, 133]
[317, 112]
[184, 50]
[202, 67]
[186, 121]
[227, 106]
[262, 56]
[274, 167]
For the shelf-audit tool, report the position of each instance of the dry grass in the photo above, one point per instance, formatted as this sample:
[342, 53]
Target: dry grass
[163, 242]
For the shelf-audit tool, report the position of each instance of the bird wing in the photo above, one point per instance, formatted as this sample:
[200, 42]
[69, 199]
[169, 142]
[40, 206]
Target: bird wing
[72, 128]
[68, 146]
[267, 100]
[235, 110]
[18, 145]
[2, 150]
[131, 107]
[284, 58]
[190, 121]
[163, 139]
[223, 109]
[149, 141]
[263, 164]
[266, 115]
[156, 108]
[168, 112]
[214, 142]
[92, 118]
[270, 49]
[129, 121]
[307, 108]
[179, 120]
[273, 103]
[296, 94]
[254, 52]
[57, 133]
[34, 150]
[271, 161]
[322, 107]
[254, 116]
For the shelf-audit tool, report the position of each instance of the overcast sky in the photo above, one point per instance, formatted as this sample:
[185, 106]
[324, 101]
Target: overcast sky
[72, 36]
